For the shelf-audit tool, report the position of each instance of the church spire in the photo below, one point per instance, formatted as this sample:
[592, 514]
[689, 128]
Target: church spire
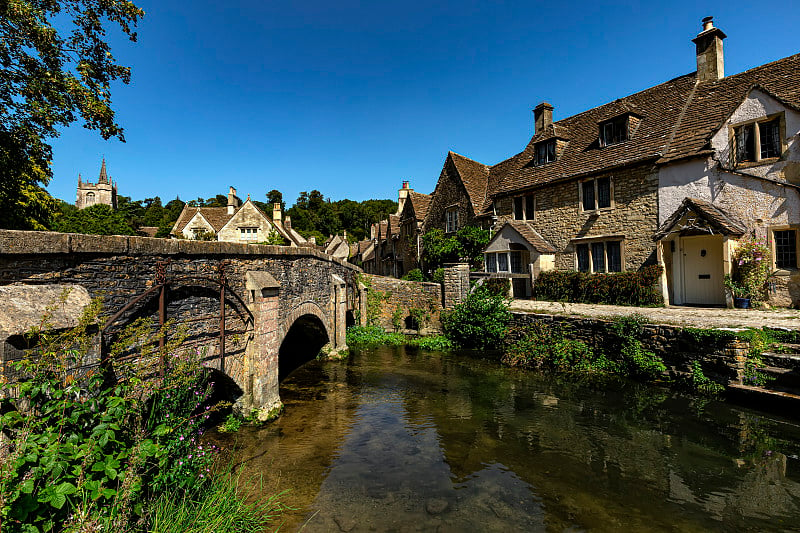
[103, 176]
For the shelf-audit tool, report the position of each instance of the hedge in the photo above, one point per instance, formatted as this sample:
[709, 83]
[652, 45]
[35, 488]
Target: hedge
[619, 288]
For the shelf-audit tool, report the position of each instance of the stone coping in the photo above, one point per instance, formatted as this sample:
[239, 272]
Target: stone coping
[17, 242]
[695, 317]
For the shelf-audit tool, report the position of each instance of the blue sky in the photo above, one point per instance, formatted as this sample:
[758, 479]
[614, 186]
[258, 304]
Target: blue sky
[351, 98]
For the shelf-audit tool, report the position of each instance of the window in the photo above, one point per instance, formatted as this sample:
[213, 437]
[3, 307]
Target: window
[89, 198]
[545, 152]
[595, 194]
[785, 248]
[491, 262]
[599, 256]
[248, 234]
[756, 141]
[451, 219]
[512, 261]
[502, 262]
[614, 131]
[523, 207]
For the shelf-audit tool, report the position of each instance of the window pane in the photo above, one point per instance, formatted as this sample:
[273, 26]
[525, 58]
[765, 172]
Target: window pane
[745, 143]
[603, 192]
[770, 139]
[541, 153]
[502, 262]
[491, 263]
[551, 151]
[598, 257]
[785, 249]
[614, 256]
[518, 214]
[529, 207]
[621, 129]
[516, 263]
[587, 188]
[583, 257]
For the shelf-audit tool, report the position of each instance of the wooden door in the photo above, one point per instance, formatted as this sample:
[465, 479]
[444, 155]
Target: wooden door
[702, 270]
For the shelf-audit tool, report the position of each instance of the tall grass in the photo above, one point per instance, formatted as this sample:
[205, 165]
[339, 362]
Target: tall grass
[219, 508]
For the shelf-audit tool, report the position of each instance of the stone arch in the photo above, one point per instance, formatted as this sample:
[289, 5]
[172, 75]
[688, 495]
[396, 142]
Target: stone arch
[306, 330]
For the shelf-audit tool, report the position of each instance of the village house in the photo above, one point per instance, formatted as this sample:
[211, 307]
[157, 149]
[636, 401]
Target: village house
[104, 192]
[237, 222]
[673, 175]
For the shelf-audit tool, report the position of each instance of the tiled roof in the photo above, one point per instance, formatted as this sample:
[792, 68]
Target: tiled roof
[216, 216]
[474, 176]
[421, 203]
[394, 225]
[716, 217]
[714, 101]
[677, 120]
[530, 235]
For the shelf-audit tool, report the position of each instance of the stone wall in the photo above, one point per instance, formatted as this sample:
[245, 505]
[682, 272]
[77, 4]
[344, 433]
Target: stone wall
[390, 294]
[673, 344]
[449, 192]
[634, 216]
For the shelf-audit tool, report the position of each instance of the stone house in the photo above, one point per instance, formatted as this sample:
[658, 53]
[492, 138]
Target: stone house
[102, 192]
[411, 228]
[459, 195]
[673, 175]
[237, 222]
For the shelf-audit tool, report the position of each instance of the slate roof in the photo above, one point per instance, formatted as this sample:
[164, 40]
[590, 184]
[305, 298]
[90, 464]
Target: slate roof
[530, 235]
[216, 216]
[394, 225]
[474, 176]
[677, 120]
[421, 203]
[718, 219]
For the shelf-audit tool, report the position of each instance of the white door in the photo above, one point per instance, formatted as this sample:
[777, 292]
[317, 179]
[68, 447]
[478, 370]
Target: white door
[702, 270]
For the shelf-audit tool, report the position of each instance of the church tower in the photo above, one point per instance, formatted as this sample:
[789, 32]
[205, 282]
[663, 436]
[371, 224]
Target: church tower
[103, 192]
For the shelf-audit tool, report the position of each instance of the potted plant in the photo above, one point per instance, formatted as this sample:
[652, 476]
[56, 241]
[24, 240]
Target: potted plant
[751, 270]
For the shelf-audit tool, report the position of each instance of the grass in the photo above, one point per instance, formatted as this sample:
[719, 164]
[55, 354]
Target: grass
[219, 508]
[366, 336]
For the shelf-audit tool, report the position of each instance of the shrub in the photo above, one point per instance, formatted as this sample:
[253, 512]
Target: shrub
[618, 288]
[366, 336]
[751, 270]
[478, 322]
[546, 347]
[414, 275]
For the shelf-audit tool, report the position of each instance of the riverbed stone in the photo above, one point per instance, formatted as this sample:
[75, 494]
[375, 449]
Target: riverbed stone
[436, 506]
[345, 523]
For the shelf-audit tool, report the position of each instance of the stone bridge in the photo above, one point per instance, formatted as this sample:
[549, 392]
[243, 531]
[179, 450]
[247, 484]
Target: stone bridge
[280, 305]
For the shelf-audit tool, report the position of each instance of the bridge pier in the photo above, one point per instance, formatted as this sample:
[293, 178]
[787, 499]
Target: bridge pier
[261, 381]
[337, 345]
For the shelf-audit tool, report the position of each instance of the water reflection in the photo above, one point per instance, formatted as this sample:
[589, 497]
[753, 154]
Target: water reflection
[396, 440]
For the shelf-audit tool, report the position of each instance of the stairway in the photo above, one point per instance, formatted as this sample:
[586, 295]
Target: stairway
[778, 383]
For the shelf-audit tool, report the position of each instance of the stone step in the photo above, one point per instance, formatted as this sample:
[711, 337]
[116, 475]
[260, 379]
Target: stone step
[787, 403]
[783, 378]
[781, 360]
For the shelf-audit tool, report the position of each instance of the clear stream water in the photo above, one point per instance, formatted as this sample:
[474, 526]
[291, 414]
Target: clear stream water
[395, 439]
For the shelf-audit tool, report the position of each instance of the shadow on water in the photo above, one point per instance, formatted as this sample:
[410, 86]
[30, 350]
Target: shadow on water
[399, 440]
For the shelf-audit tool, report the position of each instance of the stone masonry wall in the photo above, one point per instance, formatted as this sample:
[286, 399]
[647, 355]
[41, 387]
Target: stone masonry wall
[672, 343]
[404, 295]
[559, 218]
[449, 192]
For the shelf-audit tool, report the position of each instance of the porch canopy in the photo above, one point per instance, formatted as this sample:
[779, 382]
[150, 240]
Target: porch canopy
[698, 217]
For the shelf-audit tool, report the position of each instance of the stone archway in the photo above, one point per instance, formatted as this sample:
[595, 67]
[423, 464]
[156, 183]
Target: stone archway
[307, 331]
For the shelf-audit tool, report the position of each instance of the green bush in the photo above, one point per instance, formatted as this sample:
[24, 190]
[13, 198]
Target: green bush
[618, 288]
[548, 348]
[414, 275]
[478, 322]
[367, 336]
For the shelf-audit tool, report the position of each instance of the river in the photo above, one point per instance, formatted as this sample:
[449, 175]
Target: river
[396, 439]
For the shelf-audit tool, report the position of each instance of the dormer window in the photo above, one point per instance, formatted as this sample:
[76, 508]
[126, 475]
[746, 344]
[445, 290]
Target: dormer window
[545, 152]
[756, 141]
[614, 131]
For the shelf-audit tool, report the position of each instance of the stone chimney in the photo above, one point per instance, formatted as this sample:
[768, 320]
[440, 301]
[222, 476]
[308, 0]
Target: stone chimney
[542, 117]
[287, 222]
[233, 201]
[710, 61]
[402, 196]
[276, 212]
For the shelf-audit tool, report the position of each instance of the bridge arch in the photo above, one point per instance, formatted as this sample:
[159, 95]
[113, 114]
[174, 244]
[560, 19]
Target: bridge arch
[307, 330]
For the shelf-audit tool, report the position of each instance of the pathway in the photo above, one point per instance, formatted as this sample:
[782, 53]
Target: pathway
[701, 317]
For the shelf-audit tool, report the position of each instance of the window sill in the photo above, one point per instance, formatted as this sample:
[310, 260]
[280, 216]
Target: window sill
[751, 164]
[785, 272]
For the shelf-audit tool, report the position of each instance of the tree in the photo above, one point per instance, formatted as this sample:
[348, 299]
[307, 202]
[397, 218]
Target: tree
[49, 77]
[95, 220]
[276, 197]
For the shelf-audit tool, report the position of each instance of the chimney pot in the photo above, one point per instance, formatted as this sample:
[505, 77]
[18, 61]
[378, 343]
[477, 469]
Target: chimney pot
[708, 23]
[276, 212]
[542, 117]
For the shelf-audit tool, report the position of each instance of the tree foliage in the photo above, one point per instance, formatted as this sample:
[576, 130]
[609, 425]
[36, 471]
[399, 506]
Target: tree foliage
[314, 215]
[95, 220]
[51, 77]
[468, 243]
